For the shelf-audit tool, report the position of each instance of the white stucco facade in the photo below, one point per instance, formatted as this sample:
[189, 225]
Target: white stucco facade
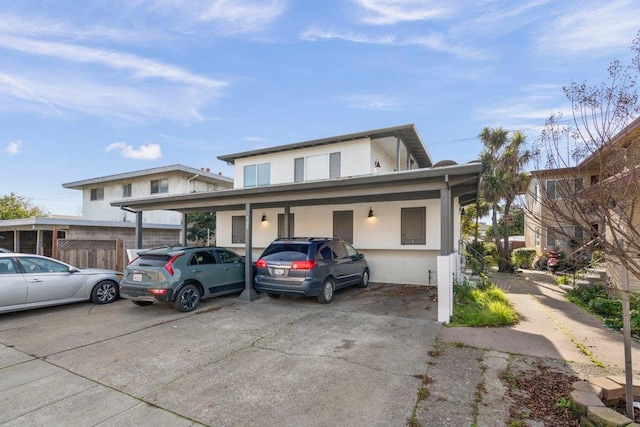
[98, 193]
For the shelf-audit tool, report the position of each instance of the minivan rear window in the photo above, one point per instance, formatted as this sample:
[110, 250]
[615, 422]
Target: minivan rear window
[286, 252]
[151, 260]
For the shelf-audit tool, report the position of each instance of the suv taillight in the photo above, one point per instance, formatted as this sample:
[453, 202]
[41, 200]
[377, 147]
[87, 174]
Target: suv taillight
[261, 263]
[303, 265]
[169, 264]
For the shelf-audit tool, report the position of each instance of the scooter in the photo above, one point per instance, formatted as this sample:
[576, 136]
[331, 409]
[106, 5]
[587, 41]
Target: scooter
[553, 262]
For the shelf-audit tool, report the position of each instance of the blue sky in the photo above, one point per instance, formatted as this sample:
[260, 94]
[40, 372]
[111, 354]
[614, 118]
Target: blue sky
[95, 88]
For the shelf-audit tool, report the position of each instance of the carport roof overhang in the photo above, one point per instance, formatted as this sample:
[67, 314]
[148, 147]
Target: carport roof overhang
[417, 184]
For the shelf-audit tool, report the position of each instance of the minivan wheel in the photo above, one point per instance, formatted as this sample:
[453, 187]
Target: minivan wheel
[364, 280]
[327, 292]
[187, 299]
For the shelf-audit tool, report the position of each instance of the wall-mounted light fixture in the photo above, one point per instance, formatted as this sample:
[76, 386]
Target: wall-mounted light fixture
[264, 218]
[377, 164]
[370, 213]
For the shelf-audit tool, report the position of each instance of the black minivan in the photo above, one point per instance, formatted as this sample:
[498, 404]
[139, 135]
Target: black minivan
[310, 266]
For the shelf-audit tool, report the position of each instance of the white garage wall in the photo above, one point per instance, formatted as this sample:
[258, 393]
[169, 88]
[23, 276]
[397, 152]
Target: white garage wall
[378, 237]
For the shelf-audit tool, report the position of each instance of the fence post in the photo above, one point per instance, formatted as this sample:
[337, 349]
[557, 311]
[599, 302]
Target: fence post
[119, 254]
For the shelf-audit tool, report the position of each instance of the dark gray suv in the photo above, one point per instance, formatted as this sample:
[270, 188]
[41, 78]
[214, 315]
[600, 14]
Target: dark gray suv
[182, 276]
[310, 266]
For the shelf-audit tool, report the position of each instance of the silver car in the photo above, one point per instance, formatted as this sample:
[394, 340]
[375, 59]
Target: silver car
[33, 281]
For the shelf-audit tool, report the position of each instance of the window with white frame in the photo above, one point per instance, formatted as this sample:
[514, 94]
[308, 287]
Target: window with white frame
[564, 236]
[160, 186]
[321, 166]
[257, 175]
[557, 188]
[97, 194]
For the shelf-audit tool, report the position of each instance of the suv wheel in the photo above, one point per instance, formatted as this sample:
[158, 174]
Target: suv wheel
[187, 299]
[364, 280]
[327, 292]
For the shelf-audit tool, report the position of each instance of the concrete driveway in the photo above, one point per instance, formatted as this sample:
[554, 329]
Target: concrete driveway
[356, 361]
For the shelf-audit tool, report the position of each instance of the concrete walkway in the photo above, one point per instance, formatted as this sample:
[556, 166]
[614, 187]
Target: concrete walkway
[464, 374]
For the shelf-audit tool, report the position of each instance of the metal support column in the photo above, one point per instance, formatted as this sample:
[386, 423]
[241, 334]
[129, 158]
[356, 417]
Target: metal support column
[139, 230]
[446, 220]
[287, 213]
[249, 294]
[185, 224]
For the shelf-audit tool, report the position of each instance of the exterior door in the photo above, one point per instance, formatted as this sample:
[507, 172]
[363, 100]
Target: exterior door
[343, 225]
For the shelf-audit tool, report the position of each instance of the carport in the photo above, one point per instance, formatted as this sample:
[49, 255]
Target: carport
[446, 183]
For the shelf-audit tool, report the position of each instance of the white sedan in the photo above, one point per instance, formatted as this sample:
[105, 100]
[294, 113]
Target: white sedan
[32, 281]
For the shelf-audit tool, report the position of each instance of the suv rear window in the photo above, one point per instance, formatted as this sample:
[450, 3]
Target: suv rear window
[150, 260]
[287, 252]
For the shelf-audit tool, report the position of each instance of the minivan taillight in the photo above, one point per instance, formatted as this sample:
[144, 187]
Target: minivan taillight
[303, 265]
[261, 263]
[169, 264]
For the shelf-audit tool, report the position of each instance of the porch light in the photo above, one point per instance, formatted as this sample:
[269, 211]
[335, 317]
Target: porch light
[377, 164]
[370, 213]
[264, 218]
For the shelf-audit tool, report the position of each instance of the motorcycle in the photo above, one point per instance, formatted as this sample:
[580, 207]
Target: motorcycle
[553, 262]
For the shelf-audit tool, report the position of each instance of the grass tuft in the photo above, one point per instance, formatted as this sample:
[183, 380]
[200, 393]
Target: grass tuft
[483, 305]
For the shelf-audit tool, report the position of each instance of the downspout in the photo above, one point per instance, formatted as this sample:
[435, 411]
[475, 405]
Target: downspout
[189, 183]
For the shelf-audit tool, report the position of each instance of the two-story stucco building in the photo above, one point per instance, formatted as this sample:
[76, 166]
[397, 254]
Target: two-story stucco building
[101, 222]
[378, 189]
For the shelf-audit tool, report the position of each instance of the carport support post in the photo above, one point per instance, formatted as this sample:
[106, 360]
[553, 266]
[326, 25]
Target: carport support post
[444, 261]
[139, 230]
[249, 294]
[185, 224]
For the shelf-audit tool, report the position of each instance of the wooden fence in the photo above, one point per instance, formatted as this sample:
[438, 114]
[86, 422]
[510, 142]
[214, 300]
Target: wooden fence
[91, 253]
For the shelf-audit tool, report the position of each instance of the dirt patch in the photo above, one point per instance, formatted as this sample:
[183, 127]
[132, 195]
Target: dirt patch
[540, 394]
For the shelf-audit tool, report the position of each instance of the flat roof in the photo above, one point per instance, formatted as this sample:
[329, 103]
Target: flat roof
[407, 133]
[145, 172]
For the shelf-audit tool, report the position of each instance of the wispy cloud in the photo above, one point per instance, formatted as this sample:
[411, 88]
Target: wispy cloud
[369, 102]
[255, 139]
[227, 16]
[139, 66]
[594, 29]
[435, 42]
[144, 152]
[14, 147]
[387, 12]
[315, 33]
[61, 93]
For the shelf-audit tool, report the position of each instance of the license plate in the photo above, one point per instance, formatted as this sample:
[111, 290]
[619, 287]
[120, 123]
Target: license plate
[278, 271]
[137, 277]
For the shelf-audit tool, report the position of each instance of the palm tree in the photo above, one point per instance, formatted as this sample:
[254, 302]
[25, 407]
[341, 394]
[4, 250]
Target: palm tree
[504, 156]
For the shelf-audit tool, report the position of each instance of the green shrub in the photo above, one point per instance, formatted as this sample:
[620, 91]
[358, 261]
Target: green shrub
[523, 257]
[562, 280]
[491, 252]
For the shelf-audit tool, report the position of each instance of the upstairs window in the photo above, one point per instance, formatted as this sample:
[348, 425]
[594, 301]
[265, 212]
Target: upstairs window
[126, 190]
[97, 194]
[557, 188]
[257, 175]
[322, 166]
[160, 186]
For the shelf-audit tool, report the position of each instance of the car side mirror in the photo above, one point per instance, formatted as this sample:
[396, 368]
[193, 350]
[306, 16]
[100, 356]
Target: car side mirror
[74, 270]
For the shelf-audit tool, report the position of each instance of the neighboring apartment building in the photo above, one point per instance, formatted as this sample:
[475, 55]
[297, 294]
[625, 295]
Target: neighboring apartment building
[605, 168]
[98, 193]
[102, 222]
